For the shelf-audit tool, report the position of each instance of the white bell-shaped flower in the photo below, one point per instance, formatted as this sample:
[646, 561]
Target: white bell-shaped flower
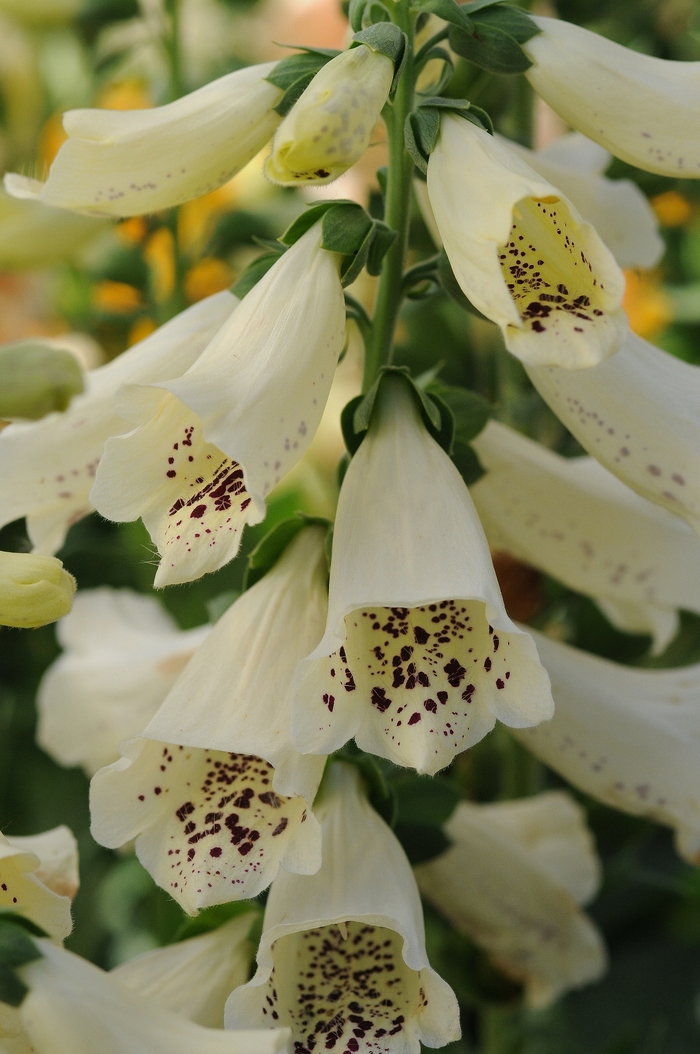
[617, 208]
[419, 658]
[626, 736]
[212, 444]
[75, 1008]
[130, 162]
[342, 957]
[47, 467]
[512, 880]
[574, 520]
[329, 127]
[522, 253]
[638, 413]
[122, 654]
[194, 978]
[36, 235]
[641, 108]
[216, 796]
[39, 877]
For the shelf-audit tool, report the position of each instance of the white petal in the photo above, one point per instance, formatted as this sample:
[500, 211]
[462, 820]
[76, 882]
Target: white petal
[574, 520]
[627, 737]
[331, 926]
[47, 467]
[75, 1008]
[57, 851]
[122, 655]
[194, 978]
[617, 208]
[641, 108]
[505, 882]
[638, 413]
[236, 693]
[245, 412]
[21, 891]
[130, 162]
[522, 253]
[35, 235]
[410, 664]
[329, 127]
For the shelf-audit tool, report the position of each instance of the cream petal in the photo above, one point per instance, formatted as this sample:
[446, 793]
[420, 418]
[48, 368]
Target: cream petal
[329, 127]
[187, 807]
[57, 851]
[75, 1008]
[574, 520]
[617, 208]
[194, 978]
[34, 590]
[641, 108]
[236, 692]
[122, 654]
[361, 903]
[626, 736]
[244, 418]
[35, 235]
[127, 163]
[522, 253]
[47, 467]
[23, 892]
[512, 881]
[638, 413]
[419, 657]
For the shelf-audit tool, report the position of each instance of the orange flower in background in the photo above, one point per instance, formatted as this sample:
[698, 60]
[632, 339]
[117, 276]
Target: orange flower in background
[648, 307]
[129, 94]
[51, 139]
[159, 254]
[142, 328]
[197, 218]
[208, 276]
[115, 298]
[672, 209]
[132, 231]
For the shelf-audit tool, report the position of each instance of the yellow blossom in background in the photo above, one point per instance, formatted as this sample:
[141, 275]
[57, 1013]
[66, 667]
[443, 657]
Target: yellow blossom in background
[197, 218]
[51, 139]
[208, 276]
[671, 208]
[132, 231]
[649, 308]
[142, 328]
[129, 94]
[115, 298]
[159, 254]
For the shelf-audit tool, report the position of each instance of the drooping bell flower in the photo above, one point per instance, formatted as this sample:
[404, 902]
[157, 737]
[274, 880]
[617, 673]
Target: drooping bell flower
[513, 881]
[342, 957]
[130, 162]
[122, 653]
[39, 878]
[211, 445]
[522, 253]
[419, 658]
[214, 792]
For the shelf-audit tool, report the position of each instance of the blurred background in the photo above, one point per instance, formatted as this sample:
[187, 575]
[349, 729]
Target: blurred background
[101, 286]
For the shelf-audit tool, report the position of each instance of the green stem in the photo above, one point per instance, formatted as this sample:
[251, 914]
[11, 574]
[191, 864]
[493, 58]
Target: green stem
[173, 49]
[397, 213]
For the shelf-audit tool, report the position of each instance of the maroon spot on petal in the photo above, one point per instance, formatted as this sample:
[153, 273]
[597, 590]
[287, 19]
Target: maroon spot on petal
[430, 705]
[198, 512]
[420, 635]
[281, 826]
[215, 850]
[414, 718]
[378, 698]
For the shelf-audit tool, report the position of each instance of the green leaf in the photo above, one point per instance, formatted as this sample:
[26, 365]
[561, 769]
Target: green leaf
[452, 287]
[449, 11]
[293, 93]
[384, 37]
[356, 416]
[379, 790]
[313, 214]
[444, 431]
[215, 917]
[364, 13]
[16, 948]
[443, 56]
[511, 20]
[12, 989]
[424, 799]
[467, 462]
[350, 270]
[270, 548]
[470, 410]
[421, 842]
[347, 425]
[494, 44]
[6, 915]
[382, 241]
[412, 143]
[253, 273]
[345, 228]
[287, 72]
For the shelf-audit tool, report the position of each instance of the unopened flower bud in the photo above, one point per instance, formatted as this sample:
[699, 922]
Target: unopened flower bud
[34, 590]
[36, 379]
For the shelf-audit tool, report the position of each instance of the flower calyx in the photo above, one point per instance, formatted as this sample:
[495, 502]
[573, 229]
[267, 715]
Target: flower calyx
[422, 125]
[294, 74]
[348, 230]
[494, 42]
[16, 949]
[270, 548]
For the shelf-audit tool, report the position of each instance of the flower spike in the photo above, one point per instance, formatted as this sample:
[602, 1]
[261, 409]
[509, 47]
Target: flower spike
[522, 253]
[642, 109]
[131, 162]
[324, 936]
[419, 657]
[215, 795]
[211, 445]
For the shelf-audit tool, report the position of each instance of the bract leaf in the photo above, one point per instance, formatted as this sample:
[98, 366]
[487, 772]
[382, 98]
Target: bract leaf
[448, 10]
[345, 228]
[290, 70]
[470, 410]
[270, 548]
[253, 273]
[381, 243]
[467, 462]
[384, 37]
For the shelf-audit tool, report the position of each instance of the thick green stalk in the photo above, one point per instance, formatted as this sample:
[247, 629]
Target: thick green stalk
[397, 214]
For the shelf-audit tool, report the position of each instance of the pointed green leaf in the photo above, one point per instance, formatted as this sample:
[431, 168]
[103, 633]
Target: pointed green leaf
[253, 273]
[382, 241]
[270, 548]
[288, 71]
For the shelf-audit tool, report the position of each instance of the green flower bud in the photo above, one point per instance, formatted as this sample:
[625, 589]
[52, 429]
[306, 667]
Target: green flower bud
[34, 590]
[36, 379]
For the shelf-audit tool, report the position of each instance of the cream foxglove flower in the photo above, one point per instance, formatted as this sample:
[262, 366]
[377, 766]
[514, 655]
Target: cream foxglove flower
[627, 737]
[419, 658]
[324, 936]
[522, 253]
[216, 796]
[329, 127]
[47, 467]
[130, 162]
[122, 654]
[194, 978]
[34, 590]
[75, 1008]
[513, 880]
[35, 235]
[617, 208]
[211, 445]
[640, 108]
[39, 877]
[638, 413]
[574, 520]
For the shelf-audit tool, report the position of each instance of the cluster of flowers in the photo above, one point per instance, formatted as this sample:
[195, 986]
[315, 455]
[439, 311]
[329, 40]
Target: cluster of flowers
[222, 777]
